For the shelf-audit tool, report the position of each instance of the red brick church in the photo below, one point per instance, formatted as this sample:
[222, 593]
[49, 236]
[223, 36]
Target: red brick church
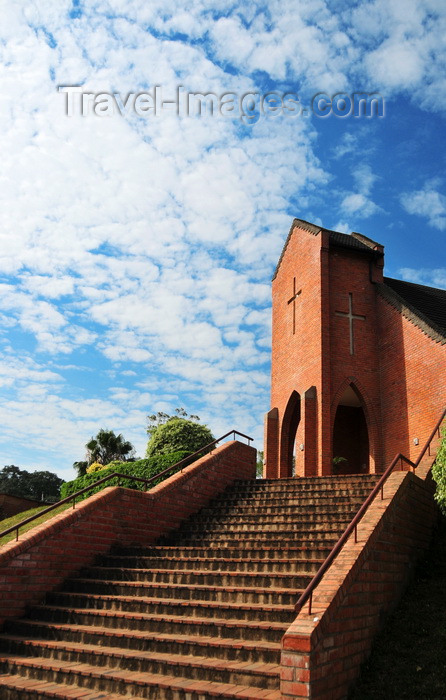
[358, 359]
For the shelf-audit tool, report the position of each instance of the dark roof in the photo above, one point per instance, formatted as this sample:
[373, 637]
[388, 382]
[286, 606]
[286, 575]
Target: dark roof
[346, 240]
[353, 241]
[427, 303]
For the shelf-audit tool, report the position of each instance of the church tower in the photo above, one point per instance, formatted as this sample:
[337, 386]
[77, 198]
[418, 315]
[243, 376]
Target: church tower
[348, 347]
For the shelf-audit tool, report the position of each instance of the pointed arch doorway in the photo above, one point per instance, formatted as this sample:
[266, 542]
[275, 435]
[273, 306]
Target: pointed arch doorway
[290, 423]
[351, 444]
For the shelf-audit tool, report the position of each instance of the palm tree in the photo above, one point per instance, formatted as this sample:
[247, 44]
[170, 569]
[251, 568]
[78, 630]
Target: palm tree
[107, 447]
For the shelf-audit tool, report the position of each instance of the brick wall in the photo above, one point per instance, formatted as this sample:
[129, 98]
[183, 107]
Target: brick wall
[350, 274]
[11, 505]
[412, 380]
[322, 652]
[296, 363]
[46, 555]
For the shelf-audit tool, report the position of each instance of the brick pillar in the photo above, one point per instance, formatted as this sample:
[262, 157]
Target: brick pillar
[271, 447]
[324, 411]
[310, 432]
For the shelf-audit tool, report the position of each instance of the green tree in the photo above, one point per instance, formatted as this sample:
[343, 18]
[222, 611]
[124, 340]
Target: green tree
[39, 485]
[439, 474]
[172, 433]
[105, 448]
[80, 467]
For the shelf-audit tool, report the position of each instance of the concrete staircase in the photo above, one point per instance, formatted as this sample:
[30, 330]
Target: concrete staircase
[199, 615]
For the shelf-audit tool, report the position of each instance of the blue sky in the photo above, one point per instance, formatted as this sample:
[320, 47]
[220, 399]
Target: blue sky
[136, 251]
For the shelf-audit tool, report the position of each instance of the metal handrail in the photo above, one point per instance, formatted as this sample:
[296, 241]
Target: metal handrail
[353, 526]
[189, 459]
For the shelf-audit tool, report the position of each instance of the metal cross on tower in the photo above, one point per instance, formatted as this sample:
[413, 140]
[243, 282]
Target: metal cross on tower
[351, 317]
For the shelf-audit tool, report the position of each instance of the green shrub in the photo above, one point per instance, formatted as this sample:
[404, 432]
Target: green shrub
[439, 474]
[144, 468]
[177, 434]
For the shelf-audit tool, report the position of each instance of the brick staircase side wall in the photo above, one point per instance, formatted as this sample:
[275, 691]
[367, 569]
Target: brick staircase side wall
[49, 553]
[322, 652]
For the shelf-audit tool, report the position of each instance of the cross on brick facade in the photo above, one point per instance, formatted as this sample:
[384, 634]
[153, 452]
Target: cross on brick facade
[293, 302]
[351, 317]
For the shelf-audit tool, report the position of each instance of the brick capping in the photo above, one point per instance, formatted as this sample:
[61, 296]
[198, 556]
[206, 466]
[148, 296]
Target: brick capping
[416, 317]
[47, 554]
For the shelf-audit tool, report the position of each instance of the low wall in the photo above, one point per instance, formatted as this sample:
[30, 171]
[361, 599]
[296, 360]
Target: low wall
[12, 505]
[322, 652]
[46, 555]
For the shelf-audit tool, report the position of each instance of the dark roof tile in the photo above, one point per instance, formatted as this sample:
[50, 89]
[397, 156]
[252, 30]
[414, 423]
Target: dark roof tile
[427, 303]
[346, 240]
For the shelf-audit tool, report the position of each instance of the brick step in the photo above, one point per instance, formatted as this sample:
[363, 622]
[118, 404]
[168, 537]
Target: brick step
[141, 685]
[281, 494]
[270, 520]
[311, 484]
[224, 509]
[185, 576]
[302, 528]
[328, 478]
[292, 532]
[304, 482]
[172, 606]
[264, 675]
[226, 594]
[215, 627]
[214, 564]
[294, 552]
[187, 645]
[276, 538]
[14, 687]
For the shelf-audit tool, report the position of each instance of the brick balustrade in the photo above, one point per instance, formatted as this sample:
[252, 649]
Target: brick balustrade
[322, 652]
[47, 554]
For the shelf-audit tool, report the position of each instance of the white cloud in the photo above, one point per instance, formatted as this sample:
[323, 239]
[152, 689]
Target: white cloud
[431, 278]
[359, 205]
[141, 249]
[427, 202]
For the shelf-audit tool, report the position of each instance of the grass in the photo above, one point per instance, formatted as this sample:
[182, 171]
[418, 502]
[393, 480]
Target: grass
[408, 660]
[13, 520]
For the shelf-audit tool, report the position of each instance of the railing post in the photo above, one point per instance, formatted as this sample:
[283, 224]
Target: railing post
[310, 602]
[356, 534]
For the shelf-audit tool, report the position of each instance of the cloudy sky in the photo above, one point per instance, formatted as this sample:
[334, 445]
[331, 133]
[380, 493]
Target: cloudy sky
[137, 241]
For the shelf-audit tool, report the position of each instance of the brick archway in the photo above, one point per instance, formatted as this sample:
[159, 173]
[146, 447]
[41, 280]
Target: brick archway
[349, 387]
[290, 423]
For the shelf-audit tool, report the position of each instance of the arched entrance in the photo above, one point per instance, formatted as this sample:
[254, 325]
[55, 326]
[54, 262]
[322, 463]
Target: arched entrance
[351, 449]
[291, 420]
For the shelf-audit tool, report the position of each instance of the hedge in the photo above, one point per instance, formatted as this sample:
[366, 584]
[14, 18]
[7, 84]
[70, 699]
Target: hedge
[439, 474]
[144, 468]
